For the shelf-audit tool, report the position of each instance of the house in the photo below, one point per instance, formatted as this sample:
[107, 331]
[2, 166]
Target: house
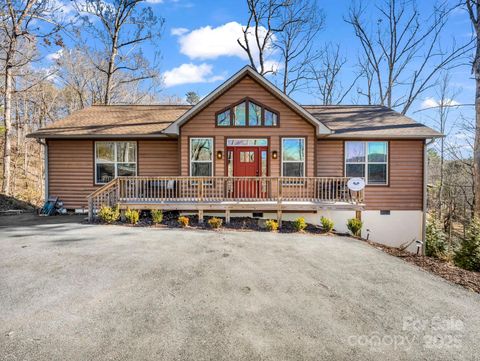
[246, 148]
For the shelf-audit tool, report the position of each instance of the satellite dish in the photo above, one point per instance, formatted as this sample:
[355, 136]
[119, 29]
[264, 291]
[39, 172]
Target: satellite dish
[356, 184]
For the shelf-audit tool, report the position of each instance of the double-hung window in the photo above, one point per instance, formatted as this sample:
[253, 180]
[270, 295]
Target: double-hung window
[368, 160]
[293, 157]
[201, 157]
[114, 159]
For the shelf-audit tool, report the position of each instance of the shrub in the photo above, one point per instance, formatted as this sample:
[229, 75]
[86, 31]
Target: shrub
[467, 255]
[215, 222]
[132, 216]
[271, 225]
[157, 216]
[327, 224]
[299, 224]
[109, 214]
[355, 225]
[435, 241]
[183, 221]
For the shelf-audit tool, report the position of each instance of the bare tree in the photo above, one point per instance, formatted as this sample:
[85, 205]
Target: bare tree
[122, 27]
[405, 51]
[473, 8]
[19, 32]
[303, 21]
[326, 76]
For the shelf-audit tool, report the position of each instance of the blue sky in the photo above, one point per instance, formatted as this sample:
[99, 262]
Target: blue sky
[198, 52]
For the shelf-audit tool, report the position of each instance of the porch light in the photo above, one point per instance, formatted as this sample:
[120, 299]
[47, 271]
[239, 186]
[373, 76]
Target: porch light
[274, 154]
[219, 154]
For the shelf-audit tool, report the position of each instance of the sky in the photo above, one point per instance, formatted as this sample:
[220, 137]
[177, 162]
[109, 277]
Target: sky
[199, 51]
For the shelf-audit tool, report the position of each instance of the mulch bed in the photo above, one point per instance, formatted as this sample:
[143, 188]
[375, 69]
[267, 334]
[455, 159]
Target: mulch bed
[468, 279]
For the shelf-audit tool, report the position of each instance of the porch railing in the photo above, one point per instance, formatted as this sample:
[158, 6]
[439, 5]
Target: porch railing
[155, 190]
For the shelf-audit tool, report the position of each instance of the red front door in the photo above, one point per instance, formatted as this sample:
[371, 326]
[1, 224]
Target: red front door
[247, 162]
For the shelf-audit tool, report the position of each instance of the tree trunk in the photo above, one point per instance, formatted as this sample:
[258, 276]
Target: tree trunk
[111, 67]
[7, 115]
[476, 147]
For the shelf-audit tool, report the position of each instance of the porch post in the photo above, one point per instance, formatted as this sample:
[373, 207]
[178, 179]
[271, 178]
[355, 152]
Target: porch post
[227, 216]
[200, 216]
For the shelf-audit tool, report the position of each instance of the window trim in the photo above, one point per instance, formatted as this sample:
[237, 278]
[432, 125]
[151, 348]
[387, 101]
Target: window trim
[212, 161]
[115, 162]
[247, 101]
[366, 163]
[291, 161]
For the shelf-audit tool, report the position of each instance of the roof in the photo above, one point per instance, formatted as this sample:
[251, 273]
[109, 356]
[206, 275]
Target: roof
[369, 121]
[114, 121]
[247, 70]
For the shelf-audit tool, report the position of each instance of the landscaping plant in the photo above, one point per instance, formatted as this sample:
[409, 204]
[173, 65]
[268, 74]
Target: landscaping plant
[299, 224]
[271, 225]
[215, 222]
[327, 224]
[355, 225]
[467, 255]
[435, 241]
[183, 221]
[109, 214]
[132, 216]
[157, 216]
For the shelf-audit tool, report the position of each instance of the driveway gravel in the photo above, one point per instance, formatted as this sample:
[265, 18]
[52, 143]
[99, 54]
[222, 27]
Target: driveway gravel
[72, 291]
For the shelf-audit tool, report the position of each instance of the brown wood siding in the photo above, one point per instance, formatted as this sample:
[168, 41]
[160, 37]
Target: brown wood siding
[405, 188]
[70, 171]
[291, 125]
[158, 158]
[71, 166]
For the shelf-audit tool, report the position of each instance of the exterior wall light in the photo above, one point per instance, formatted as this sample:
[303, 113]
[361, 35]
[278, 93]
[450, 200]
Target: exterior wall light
[274, 154]
[219, 154]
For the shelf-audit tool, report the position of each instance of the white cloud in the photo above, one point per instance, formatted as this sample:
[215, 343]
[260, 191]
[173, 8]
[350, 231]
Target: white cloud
[154, 1]
[189, 74]
[210, 43]
[430, 102]
[178, 31]
[54, 56]
[272, 65]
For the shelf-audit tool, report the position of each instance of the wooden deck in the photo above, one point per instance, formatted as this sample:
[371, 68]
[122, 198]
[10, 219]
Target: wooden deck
[227, 194]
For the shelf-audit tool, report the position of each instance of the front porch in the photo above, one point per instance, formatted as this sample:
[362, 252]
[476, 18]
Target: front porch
[227, 194]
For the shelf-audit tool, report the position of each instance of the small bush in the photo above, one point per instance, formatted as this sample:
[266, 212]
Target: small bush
[215, 222]
[299, 224]
[132, 216]
[355, 225]
[157, 216]
[183, 221]
[109, 214]
[271, 225]
[467, 255]
[435, 241]
[327, 224]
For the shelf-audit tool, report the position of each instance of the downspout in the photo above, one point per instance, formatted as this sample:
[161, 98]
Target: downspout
[425, 196]
[45, 166]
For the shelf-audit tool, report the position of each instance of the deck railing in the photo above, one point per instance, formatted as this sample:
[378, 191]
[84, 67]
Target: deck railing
[155, 190]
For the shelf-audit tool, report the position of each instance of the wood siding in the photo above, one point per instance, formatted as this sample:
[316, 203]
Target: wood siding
[405, 189]
[71, 166]
[291, 125]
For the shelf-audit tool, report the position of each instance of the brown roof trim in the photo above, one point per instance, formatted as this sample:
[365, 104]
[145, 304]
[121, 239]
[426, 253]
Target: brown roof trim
[99, 136]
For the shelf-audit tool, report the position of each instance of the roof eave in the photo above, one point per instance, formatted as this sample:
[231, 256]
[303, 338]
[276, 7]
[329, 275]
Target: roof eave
[97, 136]
[381, 136]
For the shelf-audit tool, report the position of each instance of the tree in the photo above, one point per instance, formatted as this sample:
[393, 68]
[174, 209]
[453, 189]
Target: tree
[122, 27]
[404, 52]
[23, 22]
[302, 20]
[473, 8]
[192, 98]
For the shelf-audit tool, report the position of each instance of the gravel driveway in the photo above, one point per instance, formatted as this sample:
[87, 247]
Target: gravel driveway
[70, 291]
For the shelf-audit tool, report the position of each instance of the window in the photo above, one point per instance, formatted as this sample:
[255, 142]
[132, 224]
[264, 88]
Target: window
[201, 157]
[367, 160]
[247, 113]
[246, 142]
[293, 157]
[223, 119]
[239, 115]
[114, 159]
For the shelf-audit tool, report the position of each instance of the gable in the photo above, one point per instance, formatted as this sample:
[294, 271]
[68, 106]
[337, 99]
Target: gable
[261, 83]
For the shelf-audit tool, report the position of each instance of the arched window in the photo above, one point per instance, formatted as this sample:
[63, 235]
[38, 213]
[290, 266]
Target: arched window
[247, 113]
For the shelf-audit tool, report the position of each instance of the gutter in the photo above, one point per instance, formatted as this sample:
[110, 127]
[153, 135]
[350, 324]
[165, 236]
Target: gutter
[425, 196]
